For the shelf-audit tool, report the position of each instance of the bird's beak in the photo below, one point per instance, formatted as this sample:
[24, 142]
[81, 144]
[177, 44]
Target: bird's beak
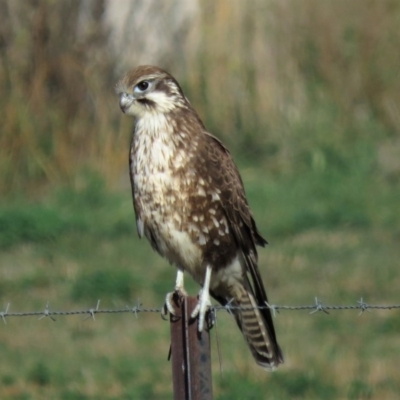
[125, 101]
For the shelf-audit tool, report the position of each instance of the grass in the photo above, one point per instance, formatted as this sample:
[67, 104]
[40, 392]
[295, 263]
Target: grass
[306, 95]
[333, 234]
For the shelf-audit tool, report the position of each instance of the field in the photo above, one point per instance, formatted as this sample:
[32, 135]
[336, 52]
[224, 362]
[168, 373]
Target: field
[305, 95]
[332, 235]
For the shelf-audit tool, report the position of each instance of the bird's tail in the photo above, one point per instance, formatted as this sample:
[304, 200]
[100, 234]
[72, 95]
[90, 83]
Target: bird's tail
[258, 329]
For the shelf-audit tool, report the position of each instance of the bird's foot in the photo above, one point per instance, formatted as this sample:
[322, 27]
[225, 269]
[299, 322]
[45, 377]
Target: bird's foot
[202, 307]
[178, 294]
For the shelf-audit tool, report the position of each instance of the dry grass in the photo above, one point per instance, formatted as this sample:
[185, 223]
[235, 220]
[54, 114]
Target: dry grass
[280, 79]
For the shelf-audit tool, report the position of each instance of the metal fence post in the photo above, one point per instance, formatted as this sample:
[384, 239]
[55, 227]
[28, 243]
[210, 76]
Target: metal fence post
[191, 355]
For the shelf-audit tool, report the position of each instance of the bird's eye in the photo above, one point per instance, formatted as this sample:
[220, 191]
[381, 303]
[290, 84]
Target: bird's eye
[142, 86]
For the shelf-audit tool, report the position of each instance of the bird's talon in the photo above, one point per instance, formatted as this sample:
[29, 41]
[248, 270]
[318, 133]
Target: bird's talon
[201, 309]
[164, 312]
[172, 297]
[211, 318]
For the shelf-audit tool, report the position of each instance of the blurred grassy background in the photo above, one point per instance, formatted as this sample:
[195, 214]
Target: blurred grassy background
[305, 94]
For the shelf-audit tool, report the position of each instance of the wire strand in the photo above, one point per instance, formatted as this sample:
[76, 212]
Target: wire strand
[91, 312]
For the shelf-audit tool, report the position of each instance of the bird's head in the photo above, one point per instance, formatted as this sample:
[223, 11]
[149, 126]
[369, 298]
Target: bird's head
[148, 89]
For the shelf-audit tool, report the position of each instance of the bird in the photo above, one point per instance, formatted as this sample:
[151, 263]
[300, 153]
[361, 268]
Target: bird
[190, 203]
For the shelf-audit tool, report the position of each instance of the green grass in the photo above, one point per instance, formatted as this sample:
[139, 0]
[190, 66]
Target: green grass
[317, 129]
[333, 234]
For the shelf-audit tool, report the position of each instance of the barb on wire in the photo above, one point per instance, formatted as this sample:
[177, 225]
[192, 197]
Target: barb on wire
[93, 311]
[273, 308]
[135, 309]
[360, 305]
[363, 306]
[318, 307]
[228, 306]
[46, 313]
[3, 314]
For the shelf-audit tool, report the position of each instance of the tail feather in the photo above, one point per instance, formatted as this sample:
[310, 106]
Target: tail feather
[258, 330]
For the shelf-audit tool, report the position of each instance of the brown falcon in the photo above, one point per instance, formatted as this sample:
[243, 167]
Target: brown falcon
[190, 204]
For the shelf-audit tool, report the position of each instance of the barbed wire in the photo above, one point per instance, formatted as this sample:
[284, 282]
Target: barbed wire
[91, 312]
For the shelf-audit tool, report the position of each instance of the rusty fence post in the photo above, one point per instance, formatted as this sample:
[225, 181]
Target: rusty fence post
[191, 355]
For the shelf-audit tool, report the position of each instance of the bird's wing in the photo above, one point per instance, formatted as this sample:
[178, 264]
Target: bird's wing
[226, 178]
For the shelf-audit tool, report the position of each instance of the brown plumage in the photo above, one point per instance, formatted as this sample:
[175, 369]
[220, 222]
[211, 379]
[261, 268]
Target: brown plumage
[190, 203]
